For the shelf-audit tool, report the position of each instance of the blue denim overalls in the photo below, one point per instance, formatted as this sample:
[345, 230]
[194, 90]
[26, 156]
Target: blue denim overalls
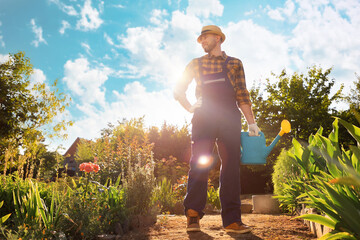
[217, 120]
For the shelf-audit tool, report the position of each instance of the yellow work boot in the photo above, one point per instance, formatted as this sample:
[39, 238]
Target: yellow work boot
[238, 227]
[193, 220]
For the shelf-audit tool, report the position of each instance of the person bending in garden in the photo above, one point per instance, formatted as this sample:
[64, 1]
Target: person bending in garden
[220, 92]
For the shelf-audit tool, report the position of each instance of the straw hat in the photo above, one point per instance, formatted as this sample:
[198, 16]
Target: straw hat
[212, 29]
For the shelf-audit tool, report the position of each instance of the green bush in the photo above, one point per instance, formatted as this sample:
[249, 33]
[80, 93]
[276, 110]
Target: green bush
[286, 187]
[164, 196]
[139, 183]
[330, 178]
[213, 197]
[285, 168]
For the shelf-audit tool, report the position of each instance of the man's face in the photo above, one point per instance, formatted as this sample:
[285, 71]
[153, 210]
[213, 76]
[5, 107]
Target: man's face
[208, 42]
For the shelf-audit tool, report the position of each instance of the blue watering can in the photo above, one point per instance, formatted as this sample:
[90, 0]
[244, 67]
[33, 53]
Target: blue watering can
[254, 149]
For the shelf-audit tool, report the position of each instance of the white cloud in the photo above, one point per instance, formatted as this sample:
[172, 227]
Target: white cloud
[118, 6]
[108, 39]
[86, 47]
[325, 33]
[4, 58]
[275, 14]
[2, 43]
[280, 13]
[134, 101]
[90, 19]
[351, 8]
[260, 50]
[69, 10]
[248, 13]
[86, 82]
[158, 16]
[205, 8]
[64, 25]
[38, 34]
[323, 36]
[161, 51]
[37, 76]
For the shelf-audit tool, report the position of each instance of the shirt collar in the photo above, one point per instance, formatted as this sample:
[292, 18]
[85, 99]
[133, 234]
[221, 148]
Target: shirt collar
[223, 56]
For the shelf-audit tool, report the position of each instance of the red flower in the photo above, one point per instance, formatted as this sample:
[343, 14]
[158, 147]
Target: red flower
[82, 167]
[89, 167]
[96, 167]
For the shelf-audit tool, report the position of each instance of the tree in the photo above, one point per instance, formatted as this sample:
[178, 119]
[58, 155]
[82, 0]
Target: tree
[305, 100]
[354, 97]
[349, 115]
[171, 151]
[171, 141]
[27, 110]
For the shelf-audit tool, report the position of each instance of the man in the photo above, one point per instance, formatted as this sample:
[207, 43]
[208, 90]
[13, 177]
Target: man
[220, 92]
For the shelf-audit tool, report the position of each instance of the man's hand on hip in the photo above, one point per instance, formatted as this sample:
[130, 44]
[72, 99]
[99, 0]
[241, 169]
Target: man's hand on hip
[196, 105]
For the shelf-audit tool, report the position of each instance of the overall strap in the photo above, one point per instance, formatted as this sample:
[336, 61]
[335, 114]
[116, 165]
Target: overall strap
[224, 65]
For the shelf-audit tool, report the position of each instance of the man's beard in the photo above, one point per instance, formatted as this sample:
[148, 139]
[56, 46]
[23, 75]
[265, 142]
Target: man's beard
[210, 46]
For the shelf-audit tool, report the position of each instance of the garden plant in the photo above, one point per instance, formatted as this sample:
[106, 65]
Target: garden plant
[327, 179]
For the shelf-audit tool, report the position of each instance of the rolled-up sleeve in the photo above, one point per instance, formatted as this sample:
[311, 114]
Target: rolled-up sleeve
[242, 94]
[183, 83]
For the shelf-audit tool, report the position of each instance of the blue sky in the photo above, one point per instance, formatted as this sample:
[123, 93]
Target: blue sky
[121, 58]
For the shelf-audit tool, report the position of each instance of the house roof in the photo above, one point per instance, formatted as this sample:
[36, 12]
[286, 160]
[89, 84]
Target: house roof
[72, 149]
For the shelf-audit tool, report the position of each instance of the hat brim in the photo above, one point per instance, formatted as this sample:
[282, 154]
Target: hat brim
[212, 32]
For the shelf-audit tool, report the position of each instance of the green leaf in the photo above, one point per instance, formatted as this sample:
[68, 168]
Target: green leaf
[298, 149]
[332, 151]
[319, 219]
[323, 205]
[4, 218]
[348, 180]
[353, 130]
[337, 236]
[355, 158]
[357, 115]
[346, 209]
[334, 135]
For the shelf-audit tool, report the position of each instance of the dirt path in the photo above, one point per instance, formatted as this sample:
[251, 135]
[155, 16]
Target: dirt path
[264, 227]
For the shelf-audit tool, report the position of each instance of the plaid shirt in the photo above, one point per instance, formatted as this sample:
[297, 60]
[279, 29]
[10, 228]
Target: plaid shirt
[212, 64]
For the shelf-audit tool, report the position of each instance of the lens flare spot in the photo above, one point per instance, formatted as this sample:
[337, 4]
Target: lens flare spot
[205, 161]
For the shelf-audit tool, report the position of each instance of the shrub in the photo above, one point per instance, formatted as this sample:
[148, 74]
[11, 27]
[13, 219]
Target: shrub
[330, 176]
[285, 168]
[164, 196]
[139, 185]
[180, 188]
[213, 197]
[96, 212]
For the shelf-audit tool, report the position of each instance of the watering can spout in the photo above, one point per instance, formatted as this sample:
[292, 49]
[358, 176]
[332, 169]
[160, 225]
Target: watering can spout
[254, 149]
[285, 128]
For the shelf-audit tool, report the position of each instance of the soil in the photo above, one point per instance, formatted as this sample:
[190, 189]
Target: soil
[265, 226]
